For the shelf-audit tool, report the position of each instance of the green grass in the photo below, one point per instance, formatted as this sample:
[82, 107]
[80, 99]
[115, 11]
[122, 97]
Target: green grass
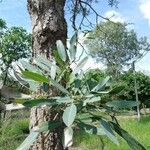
[139, 130]
[15, 129]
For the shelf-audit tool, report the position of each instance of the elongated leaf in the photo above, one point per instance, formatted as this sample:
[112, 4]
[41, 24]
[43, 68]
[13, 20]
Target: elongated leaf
[91, 129]
[28, 141]
[134, 144]
[28, 66]
[122, 104]
[53, 72]
[73, 39]
[80, 65]
[43, 60]
[91, 100]
[42, 66]
[69, 115]
[51, 102]
[61, 50]
[35, 76]
[39, 102]
[72, 51]
[61, 100]
[33, 85]
[85, 118]
[107, 129]
[101, 85]
[68, 137]
[72, 48]
[58, 86]
[49, 125]
[19, 79]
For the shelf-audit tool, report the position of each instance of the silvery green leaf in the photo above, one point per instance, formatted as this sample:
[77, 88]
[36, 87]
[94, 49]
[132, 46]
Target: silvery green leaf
[69, 115]
[61, 50]
[28, 141]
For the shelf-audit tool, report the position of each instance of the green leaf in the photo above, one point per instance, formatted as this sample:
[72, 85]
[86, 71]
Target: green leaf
[33, 86]
[53, 72]
[72, 48]
[28, 66]
[91, 129]
[107, 129]
[85, 118]
[134, 144]
[61, 50]
[58, 86]
[101, 85]
[49, 125]
[28, 141]
[35, 76]
[51, 102]
[122, 104]
[39, 102]
[43, 60]
[68, 137]
[91, 100]
[80, 65]
[69, 115]
[73, 39]
[72, 51]
[61, 100]
[42, 66]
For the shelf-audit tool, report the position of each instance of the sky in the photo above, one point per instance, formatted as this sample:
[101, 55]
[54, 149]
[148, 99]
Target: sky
[137, 12]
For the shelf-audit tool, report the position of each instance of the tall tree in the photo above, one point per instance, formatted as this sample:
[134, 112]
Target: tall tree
[115, 45]
[48, 26]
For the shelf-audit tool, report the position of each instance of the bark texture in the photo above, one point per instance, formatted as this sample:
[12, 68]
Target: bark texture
[47, 140]
[48, 26]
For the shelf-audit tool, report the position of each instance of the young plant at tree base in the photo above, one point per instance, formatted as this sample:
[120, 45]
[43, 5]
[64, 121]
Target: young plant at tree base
[74, 103]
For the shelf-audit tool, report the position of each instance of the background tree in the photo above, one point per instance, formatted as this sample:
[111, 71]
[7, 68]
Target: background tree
[143, 87]
[15, 44]
[115, 45]
[2, 26]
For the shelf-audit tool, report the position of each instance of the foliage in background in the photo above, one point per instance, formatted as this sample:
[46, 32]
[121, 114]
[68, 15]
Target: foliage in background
[143, 87]
[2, 26]
[15, 43]
[115, 45]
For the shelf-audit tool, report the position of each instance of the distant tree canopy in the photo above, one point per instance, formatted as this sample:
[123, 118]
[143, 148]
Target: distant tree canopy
[115, 45]
[143, 87]
[2, 26]
[15, 43]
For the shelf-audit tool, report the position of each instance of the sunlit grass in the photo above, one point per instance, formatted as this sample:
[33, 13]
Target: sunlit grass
[139, 130]
[14, 130]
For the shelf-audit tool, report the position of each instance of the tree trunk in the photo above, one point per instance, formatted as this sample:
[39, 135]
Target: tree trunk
[48, 26]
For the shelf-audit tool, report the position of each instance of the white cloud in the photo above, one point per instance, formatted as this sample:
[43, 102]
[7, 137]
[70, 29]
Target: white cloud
[145, 9]
[114, 16]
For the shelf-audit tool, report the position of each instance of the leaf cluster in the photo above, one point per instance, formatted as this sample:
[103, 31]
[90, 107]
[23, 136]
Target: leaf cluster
[75, 100]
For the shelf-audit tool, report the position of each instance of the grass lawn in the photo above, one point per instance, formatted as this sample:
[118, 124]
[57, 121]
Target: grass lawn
[14, 130]
[139, 130]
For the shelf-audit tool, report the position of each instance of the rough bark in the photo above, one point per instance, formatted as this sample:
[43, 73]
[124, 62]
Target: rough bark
[47, 140]
[48, 26]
